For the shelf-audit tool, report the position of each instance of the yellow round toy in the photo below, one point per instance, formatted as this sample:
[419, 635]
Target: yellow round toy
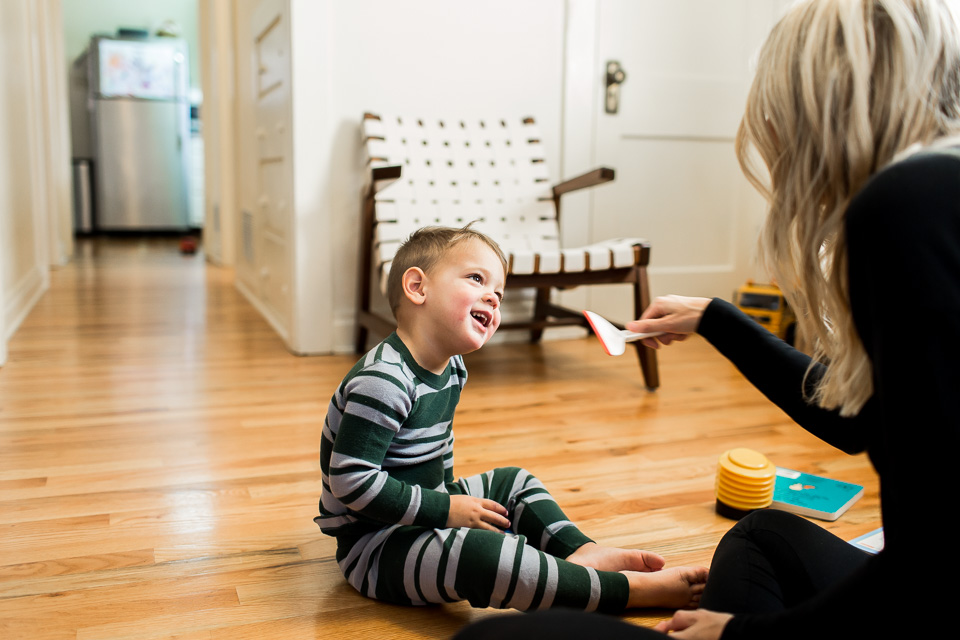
[745, 480]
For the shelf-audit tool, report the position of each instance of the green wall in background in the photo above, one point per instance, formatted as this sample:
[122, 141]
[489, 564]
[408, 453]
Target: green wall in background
[84, 18]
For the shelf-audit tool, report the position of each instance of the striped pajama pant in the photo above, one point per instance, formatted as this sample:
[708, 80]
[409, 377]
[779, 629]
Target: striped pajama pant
[522, 570]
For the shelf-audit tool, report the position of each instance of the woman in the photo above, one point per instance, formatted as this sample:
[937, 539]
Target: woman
[851, 112]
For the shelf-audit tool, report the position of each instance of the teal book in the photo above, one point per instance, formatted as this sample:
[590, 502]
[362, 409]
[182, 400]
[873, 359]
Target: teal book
[814, 496]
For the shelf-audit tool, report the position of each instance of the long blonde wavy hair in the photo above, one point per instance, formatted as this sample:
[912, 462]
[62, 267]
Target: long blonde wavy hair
[843, 88]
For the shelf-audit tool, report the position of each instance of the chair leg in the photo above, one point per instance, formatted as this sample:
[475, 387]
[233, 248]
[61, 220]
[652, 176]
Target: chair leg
[647, 356]
[540, 312]
[648, 365]
[360, 346]
[365, 255]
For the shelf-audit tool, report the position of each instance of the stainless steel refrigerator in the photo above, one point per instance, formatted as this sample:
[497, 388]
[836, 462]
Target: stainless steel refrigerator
[139, 116]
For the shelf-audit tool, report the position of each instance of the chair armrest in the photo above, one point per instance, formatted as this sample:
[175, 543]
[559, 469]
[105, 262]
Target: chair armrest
[589, 179]
[388, 172]
[382, 177]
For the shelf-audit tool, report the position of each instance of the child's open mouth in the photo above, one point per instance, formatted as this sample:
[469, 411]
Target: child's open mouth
[482, 317]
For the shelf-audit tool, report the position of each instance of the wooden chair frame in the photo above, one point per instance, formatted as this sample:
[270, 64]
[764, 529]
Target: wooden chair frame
[546, 313]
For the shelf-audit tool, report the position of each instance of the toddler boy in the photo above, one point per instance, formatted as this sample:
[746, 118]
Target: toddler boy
[406, 531]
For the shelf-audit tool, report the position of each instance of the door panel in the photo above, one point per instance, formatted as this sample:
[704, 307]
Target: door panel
[678, 184]
[265, 162]
[270, 30]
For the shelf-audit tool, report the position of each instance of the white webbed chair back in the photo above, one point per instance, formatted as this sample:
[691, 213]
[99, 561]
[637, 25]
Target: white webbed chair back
[490, 172]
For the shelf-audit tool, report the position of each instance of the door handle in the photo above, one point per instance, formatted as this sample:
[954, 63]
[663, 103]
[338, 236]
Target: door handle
[615, 77]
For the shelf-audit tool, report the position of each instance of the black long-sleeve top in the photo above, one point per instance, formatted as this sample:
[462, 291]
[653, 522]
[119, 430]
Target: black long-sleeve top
[903, 238]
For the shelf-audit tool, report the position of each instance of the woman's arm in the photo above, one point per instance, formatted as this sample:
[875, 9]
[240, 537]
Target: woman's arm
[778, 370]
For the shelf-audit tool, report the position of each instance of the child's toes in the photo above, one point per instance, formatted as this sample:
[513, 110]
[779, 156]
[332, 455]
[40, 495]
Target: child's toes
[698, 575]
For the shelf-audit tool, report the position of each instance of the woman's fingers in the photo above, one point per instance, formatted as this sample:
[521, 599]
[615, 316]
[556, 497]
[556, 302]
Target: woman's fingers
[675, 316]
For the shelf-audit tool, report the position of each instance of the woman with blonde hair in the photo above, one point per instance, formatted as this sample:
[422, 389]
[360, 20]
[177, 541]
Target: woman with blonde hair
[853, 114]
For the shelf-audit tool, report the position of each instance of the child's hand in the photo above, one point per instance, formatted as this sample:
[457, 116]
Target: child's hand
[477, 513]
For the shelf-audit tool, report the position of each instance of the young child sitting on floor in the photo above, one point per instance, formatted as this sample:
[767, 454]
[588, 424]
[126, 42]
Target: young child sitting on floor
[406, 531]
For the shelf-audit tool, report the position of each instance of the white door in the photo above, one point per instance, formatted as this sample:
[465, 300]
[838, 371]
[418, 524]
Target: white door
[264, 165]
[688, 66]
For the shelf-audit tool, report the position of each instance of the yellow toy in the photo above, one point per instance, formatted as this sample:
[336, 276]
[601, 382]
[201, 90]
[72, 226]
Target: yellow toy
[745, 482]
[766, 304]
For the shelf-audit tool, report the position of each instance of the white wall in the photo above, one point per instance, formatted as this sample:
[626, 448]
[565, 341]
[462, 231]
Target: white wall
[34, 163]
[217, 75]
[53, 132]
[426, 58]
[429, 58]
[84, 18]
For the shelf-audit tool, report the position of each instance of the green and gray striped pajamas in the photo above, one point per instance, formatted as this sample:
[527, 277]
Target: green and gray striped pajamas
[386, 458]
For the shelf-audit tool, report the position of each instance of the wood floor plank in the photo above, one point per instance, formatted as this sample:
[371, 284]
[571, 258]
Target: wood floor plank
[159, 464]
[160, 569]
[32, 571]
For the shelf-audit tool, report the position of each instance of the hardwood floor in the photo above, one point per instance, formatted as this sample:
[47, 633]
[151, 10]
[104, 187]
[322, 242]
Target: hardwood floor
[159, 458]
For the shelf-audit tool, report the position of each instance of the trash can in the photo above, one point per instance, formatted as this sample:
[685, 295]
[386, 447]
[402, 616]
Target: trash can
[82, 197]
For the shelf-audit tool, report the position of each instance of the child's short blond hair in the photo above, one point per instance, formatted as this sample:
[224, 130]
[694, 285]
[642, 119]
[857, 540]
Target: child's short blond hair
[424, 249]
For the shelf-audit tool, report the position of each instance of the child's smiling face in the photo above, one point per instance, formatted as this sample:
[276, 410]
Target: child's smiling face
[467, 288]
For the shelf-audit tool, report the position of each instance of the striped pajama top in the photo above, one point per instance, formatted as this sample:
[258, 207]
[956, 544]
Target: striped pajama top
[387, 446]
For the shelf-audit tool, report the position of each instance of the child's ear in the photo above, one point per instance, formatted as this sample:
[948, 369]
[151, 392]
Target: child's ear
[412, 284]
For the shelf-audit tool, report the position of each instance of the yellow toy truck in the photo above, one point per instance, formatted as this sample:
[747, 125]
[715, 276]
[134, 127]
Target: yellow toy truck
[766, 304]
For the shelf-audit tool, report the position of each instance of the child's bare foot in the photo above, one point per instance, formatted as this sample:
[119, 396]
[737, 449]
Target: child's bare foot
[615, 559]
[676, 588]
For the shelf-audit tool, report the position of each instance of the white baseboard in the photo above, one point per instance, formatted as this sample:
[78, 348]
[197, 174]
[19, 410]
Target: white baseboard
[22, 298]
[344, 330]
[266, 313]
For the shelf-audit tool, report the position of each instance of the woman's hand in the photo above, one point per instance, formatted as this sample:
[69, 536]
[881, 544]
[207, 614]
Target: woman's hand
[676, 316]
[477, 513]
[695, 625]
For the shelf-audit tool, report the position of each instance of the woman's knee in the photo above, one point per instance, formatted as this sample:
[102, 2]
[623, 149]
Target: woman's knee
[783, 538]
[757, 529]
[768, 520]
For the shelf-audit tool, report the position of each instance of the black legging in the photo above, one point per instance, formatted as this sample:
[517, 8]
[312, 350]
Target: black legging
[769, 561]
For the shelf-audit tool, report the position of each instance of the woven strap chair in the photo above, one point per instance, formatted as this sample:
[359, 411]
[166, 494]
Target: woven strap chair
[425, 172]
